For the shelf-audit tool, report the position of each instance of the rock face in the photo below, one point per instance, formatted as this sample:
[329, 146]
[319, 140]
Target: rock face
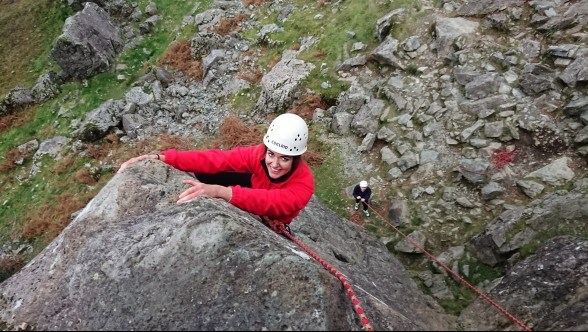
[133, 260]
[548, 282]
[88, 44]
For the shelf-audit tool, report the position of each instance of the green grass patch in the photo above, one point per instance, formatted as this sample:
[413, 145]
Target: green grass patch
[37, 209]
[244, 101]
[333, 43]
[28, 29]
[329, 185]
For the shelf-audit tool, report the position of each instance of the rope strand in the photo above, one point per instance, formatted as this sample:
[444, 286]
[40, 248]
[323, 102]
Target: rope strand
[460, 278]
[280, 228]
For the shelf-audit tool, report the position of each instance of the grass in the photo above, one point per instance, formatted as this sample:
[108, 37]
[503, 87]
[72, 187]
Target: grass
[329, 184]
[333, 42]
[26, 44]
[244, 101]
[37, 209]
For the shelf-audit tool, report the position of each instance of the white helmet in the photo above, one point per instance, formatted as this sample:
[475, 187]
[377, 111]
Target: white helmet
[363, 184]
[287, 135]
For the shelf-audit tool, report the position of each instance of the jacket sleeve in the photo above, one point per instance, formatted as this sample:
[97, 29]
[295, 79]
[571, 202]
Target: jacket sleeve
[368, 193]
[282, 203]
[356, 191]
[241, 159]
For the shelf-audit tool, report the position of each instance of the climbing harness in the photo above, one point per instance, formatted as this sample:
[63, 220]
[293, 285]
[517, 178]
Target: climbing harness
[460, 278]
[282, 229]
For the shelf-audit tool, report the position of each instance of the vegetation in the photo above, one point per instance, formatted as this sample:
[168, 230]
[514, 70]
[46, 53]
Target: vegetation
[36, 210]
[26, 44]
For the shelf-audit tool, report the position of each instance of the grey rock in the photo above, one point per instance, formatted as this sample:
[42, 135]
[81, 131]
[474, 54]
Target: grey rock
[449, 29]
[279, 85]
[483, 7]
[98, 121]
[576, 72]
[491, 190]
[474, 170]
[348, 64]
[576, 106]
[554, 272]
[482, 86]
[408, 244]
[52, 147]
[367, 143]
[89, 43]
[555, 173]
[536, 79]
[48, 86]
[367, 120]
[127, 244]
[530, 188]
[341, 123]
[385, 53]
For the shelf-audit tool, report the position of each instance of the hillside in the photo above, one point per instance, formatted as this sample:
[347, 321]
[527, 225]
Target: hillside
[468, 119]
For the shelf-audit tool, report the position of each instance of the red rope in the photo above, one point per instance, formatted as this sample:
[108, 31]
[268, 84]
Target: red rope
[280, 228]
[485, 297]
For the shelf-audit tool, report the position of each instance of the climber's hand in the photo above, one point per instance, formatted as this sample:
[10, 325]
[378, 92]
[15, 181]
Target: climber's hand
[198, 189]
[126, 164]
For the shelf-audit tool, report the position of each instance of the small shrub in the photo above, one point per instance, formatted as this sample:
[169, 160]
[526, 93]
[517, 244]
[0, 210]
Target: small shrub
[501, 158]
[319, 54]
[254, 76]
[274, 62]
[15, 119]
[52, 217]
[63, 165]
[227, 25]
[179, 56]
[247, 3]
[306, 105]
[313, 158]
[11, 156]
[83, 176]
[233, 132]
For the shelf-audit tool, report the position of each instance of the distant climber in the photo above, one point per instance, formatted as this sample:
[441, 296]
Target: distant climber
[362, 193]
[269, 180]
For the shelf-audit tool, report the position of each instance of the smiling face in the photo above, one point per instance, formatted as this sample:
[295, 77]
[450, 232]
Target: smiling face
[277, 164]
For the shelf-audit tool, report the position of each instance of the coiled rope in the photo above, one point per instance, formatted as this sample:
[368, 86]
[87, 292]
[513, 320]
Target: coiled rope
[280, 228]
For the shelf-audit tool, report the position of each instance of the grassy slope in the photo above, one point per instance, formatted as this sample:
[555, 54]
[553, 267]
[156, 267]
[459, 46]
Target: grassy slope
[37, 209]
[25, 43]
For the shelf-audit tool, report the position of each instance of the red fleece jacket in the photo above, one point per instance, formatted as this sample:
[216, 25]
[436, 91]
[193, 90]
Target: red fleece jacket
[278, 201]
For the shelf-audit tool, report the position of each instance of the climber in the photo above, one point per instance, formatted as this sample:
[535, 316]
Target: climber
[269, 180]
[362, 193]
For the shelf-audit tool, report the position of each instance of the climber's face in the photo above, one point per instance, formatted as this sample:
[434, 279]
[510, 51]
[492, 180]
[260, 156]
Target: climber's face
[278, 165]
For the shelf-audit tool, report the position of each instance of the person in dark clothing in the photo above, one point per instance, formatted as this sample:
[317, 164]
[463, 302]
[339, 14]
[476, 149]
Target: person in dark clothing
[362, 193]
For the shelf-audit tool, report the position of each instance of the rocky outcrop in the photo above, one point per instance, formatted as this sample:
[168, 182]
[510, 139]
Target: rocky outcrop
[505, 235]
[279, 85]
[546, 291]
[134, 260]
[88, 44]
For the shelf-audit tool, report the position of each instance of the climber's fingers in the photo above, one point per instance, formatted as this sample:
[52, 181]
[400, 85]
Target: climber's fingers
[126, 164]
[196, 189]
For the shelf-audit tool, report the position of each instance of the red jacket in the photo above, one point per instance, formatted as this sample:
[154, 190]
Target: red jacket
[278, 201]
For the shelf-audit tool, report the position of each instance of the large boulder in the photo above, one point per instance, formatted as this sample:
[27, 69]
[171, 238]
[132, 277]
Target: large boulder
[88, 44]
[281, 83]
[134, 260]
[546, 291]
